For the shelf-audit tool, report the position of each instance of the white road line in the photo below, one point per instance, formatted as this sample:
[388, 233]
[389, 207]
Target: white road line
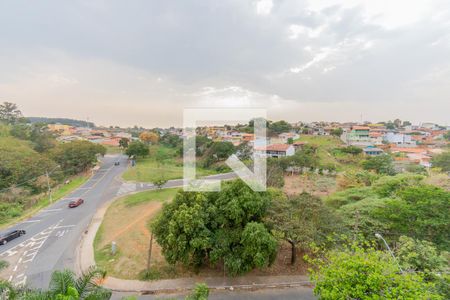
[64, 226]
[15, 268]
[31, 221]
[51, 210]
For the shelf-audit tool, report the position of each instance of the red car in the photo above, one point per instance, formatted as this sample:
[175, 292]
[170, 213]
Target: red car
[76, 203]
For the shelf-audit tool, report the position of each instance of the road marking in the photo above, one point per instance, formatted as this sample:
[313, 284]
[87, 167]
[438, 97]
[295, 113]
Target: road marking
[126, 188]
[31, 221]
[51, 210]
[64, 226]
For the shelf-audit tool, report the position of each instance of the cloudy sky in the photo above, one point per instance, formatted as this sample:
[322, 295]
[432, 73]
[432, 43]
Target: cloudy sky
[142, 62]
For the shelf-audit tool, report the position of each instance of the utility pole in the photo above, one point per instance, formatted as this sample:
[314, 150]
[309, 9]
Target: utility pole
[149, 253]
[48, 186]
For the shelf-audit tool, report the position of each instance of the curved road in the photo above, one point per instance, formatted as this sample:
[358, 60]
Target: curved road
[54, 232]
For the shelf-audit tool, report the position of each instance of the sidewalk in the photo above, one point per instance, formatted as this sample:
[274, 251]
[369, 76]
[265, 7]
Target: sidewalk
[219, 283]
[85, 259]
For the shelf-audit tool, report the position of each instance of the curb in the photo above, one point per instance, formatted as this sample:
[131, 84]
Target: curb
[248, 287]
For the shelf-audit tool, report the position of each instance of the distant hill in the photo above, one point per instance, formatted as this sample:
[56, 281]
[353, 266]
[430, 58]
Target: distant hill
[64, 121]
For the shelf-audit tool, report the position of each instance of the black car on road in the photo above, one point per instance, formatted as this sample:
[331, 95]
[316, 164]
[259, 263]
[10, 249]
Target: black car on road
[5, 238]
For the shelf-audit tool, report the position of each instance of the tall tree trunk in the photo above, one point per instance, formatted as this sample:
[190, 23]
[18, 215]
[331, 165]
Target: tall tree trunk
[293, 251]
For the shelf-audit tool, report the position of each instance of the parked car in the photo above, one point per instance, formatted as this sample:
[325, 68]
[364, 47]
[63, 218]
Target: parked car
[76, 203]
[5, 238]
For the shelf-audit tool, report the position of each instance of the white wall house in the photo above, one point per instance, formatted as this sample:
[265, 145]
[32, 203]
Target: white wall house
[276, 150]
[398, 138]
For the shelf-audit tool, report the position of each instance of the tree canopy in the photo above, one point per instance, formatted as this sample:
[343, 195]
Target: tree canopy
[382, 164]
[76, 156]
[9, 113]
[137, 149]
[219, 228]
[301, 220]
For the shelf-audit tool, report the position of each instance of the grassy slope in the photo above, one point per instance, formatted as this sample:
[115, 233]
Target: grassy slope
[325, 146]
[22, 149]
[58, 193]
[149, 169]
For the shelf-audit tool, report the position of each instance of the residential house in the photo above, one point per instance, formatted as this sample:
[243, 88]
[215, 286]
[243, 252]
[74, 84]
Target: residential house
[373, 151]
[276, 150]
[400, 139]
[357, 136]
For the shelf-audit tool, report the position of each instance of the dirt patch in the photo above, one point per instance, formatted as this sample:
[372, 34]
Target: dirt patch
[127, 226]
[318, 185]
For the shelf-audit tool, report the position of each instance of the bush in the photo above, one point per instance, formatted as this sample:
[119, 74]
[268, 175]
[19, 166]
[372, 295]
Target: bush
[359, 273]
[200, 292]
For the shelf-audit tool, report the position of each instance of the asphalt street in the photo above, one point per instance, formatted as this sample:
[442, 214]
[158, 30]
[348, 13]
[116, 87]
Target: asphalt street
[294, 293]
[54, 232]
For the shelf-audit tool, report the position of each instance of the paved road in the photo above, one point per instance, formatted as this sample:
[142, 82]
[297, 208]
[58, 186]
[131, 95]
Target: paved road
[54, 233]
[294, 293]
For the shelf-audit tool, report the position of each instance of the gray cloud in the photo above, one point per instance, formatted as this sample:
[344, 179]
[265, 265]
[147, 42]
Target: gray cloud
[164, 52]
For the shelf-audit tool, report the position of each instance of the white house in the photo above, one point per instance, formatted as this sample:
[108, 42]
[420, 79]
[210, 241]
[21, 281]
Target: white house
[398, 138]
[276, 150]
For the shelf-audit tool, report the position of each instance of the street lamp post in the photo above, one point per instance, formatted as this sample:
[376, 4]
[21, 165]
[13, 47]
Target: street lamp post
[379, 236]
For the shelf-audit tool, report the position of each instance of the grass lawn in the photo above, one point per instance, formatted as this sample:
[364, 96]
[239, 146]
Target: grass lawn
[163, 162]
[113, 150]
[322, 141]
[127, 223]
[57, 193]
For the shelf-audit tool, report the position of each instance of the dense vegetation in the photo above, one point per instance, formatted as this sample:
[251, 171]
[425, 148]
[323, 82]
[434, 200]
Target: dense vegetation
[31, 159]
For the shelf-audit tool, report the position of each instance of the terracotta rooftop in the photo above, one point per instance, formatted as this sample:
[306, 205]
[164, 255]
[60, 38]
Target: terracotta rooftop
[275, 147]
[409, 150]
[361, 128]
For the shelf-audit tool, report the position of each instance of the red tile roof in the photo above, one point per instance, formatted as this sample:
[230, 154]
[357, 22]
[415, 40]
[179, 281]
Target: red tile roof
[361, 128]
[275, 147]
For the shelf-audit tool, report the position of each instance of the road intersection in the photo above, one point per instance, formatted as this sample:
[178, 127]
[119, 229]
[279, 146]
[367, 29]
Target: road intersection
[54, 233]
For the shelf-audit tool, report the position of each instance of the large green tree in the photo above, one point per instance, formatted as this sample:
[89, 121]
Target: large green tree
[219, 228]
[137, 149]
[382, 164]
[279, 127]
[301, 220]
[77, 156]
[9, 113]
